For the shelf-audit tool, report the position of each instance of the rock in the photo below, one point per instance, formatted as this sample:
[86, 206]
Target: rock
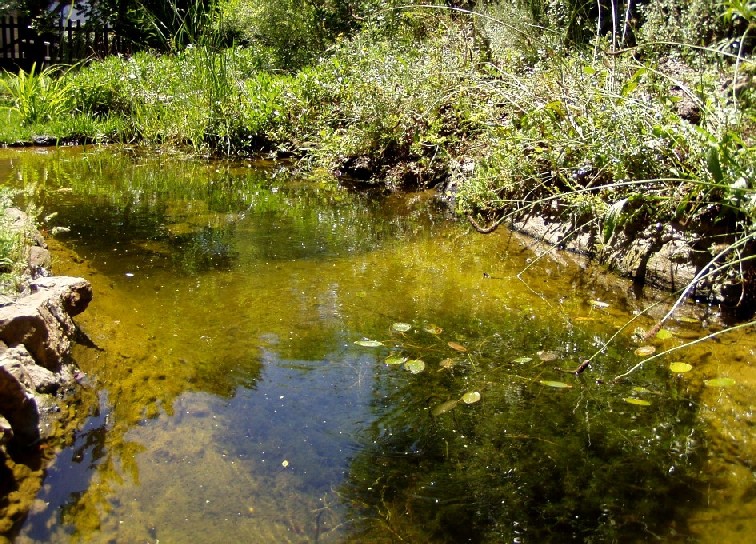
[17, 404]
[41, 321]
[6, 431]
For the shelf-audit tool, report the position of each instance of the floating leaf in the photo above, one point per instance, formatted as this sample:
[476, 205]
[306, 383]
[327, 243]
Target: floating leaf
[663, 334]
[598, 304]
[369, 343]
[637, 402]
[401, 327]
[552, 383]
[433, 329]
[471, 397]
[447, 363]
[444, 407]
[686, 319]
[644, 351]
[548, 355]
[457, 347]
[523, 360]
[416, 366]
[720, 382]
[395, 360]
[640, 390]
[680, 368]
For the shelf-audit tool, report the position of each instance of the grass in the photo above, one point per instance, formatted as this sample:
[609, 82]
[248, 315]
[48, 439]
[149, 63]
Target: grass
[12, 260]
[507, 116]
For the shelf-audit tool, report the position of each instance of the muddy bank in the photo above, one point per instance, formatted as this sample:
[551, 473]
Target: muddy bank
[38, 378]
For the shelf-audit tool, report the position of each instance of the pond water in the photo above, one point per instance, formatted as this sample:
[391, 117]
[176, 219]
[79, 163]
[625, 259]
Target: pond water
[275, 359]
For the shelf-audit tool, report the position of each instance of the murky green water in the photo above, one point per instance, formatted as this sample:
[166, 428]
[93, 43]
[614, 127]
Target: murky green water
[235, 406]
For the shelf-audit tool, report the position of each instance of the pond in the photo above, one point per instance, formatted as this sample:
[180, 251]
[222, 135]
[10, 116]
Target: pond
[277, 359]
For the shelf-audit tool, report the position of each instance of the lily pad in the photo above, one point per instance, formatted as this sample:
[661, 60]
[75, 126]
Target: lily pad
[401, 327]
[645, 351]
[457, 347]
[555, 384]
[369, 343]
[395, 360]
[444, 407]
[433, 329]
[720, 382]
[664, 334]
[522, 360]
[548, 356]
[416, 366]
[680, 368]
[471, 397]
[637, 402]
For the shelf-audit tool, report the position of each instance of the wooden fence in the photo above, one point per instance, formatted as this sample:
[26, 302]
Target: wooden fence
[21, 45]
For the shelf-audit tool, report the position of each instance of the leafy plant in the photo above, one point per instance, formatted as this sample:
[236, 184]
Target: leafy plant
[38, 96]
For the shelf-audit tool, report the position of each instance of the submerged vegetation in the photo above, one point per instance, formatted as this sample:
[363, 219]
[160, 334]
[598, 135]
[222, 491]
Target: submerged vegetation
[612, 118]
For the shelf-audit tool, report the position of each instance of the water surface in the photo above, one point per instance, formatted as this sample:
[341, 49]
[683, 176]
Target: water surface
[242, 394]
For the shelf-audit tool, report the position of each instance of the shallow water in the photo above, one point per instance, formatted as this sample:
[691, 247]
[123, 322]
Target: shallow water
[233, 403]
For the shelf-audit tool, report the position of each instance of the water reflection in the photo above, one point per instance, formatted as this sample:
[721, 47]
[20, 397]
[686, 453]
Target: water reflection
[236, 405]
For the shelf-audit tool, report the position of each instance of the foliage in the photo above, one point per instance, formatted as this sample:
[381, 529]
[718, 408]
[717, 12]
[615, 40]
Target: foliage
[37, 96]
[11, 247]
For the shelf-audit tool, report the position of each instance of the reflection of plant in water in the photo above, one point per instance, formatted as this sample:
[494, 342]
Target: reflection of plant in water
[527, 461]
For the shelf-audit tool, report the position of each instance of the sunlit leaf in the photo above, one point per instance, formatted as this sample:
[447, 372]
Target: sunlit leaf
[444, 407]
[447, 363]
[720, 382]
[401, 327]
[457, 347]
[557, 385]
[433, 329]
[416, 366]
[686, 319]
[680, 368]
[637, 402]
[598, 304]
[663, 334]
[548, 355]
[395, 360]
[641, 390]
[523, 360]
[645, 351]
[369, 343]
[471, 397]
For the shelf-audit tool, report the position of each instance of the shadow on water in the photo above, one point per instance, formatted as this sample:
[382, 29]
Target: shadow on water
[284, 360]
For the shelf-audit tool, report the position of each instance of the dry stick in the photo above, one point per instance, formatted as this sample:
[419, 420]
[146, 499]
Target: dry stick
[687, 344]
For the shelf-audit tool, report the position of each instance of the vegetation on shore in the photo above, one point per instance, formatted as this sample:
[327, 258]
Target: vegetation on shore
[607, 120]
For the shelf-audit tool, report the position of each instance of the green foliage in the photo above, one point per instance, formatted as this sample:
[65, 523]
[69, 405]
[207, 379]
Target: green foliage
[11, 246]
[37, 96]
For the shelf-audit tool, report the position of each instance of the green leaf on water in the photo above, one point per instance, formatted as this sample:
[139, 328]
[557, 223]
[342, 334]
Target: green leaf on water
[641, 390]
[637, 402]
[401, 327]
[557, 385]
[644, 351]
[471, 397]
[664, 334]
[369, 343]
[433, 329]
[444, 407]
[416, 366]
[720, 382]
[680, 368]
[685, 319]
[395, 360]
[522, 360]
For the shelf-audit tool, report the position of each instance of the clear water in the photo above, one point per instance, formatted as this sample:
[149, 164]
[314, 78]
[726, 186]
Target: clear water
[233, 405]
